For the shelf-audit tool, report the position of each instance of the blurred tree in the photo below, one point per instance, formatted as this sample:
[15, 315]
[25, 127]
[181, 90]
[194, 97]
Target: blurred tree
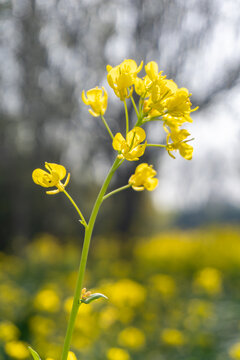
[50, 52]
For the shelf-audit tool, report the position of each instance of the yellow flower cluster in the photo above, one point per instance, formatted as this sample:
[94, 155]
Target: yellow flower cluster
[163, 100]
[160, 99]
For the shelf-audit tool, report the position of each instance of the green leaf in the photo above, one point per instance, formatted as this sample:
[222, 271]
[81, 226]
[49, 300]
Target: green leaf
[34, 354]
[93, 297]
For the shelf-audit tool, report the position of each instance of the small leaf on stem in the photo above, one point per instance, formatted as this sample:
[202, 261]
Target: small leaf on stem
[93, 297]
[34, 354]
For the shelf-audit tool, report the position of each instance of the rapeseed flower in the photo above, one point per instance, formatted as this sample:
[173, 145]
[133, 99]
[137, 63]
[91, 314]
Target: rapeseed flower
[97, 99]
[17, 350]
[47, 300]
[234, 351]
[179, 105]
[117, 354]
[8, 331]
[131, 338]
[179, 143]
[209, 280]
[143, 178]
[122, 77]
[52, 178]
[71, 356]
[173, 337]
[145, 86]
[130, 148]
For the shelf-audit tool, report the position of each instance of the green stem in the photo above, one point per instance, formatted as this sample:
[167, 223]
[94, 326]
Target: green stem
[83, 261]
[116, 191]
[83, 221]
[157, 145]
[154, 118]
[108, 128]
[134, 105]
[126, 113]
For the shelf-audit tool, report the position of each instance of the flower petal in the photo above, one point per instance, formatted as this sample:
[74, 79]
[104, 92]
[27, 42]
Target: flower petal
[118, 141]
[59, 169]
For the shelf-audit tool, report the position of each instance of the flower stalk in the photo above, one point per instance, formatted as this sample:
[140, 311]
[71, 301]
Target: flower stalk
[83, 262]
[160, 99]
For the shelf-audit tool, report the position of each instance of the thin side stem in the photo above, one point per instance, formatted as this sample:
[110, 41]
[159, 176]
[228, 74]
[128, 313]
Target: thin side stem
[127, 119]
[157, 145]
[108, 128]
[155, 118]
[83, 221]
[134, 105]
[116, 191]
[83, 261]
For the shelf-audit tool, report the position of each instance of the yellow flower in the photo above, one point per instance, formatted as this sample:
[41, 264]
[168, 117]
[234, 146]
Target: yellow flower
[159, 91]
[234, 351]
[179, 143]
[144, 86]
[132, 338]
[71, 356]
[152, 70]
[97, 99]
[117, 354]
[179, 105]
[51, 178]
[122, 77]
[173, 337]
[47, 300]
[8, 331]
[143, 178]
[130, 149]
[210, 280]
[17, 350]
[164, 284]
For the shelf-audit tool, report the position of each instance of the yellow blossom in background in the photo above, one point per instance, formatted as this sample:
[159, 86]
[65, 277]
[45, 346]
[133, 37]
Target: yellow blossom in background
[68, 304]
[125, 292]
[173, 337]
[8, 331]
[209, 280]
[122, 77]
[143, 178]
[117, 354]
[108, 317]
[51, 178]
[130, 148]
[40, 325]
[17, 350]
[164, 284]
[71, 356]
[132, 338]
[97, 99]
[234, 351]
[200, 308]
[179, 143]
[47, 300]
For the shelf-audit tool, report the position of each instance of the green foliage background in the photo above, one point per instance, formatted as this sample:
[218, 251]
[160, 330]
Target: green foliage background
[172, 296]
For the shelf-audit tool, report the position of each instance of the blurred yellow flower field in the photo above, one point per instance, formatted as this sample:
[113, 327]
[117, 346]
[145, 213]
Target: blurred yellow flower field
[172, 296]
